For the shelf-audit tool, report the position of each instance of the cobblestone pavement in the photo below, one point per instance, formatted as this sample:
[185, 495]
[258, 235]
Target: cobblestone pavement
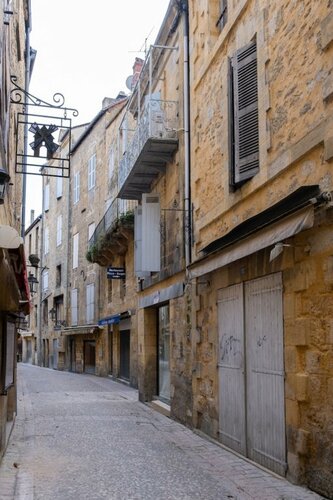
[82, 437]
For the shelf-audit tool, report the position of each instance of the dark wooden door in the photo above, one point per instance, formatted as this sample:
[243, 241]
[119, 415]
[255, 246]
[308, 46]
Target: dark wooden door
[125, 354]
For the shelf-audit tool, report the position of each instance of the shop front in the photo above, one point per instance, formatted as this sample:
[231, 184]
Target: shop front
[86, 349]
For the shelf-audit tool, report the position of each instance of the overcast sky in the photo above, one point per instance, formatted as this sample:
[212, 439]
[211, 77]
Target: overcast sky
[86, 50]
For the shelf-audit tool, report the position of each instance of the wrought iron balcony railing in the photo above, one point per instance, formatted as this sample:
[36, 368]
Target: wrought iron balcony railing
[111, 235]
[150, 146]
[117, 209]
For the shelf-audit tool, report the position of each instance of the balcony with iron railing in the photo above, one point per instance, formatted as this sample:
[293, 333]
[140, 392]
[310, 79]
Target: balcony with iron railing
[151, 144]
[113, 233]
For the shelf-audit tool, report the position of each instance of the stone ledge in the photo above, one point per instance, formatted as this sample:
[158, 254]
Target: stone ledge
[161, 407]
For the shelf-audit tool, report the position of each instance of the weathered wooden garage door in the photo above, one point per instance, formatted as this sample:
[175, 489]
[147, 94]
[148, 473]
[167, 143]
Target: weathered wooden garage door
[259, 377]
[231, 368]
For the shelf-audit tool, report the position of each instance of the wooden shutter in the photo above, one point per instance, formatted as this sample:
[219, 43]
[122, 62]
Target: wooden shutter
[138, 241]
[59, 183]
[46, 197]
[151, 233]
[74, 307]
[246, 130]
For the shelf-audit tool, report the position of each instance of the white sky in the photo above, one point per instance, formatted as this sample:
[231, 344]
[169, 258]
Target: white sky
[86, 50]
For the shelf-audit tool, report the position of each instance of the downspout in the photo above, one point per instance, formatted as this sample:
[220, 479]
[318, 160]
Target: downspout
[25, 145]
[187, 151]
[40, 288]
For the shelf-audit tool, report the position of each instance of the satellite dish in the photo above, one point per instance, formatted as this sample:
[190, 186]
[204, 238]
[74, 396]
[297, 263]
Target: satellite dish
[129, 81]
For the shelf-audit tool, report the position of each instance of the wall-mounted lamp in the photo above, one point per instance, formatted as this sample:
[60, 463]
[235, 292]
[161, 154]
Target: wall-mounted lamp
[4, 179]
[53, 314]
[33, 282]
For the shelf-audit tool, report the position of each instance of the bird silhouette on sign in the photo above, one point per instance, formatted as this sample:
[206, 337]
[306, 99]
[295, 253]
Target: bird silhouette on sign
[43, 137]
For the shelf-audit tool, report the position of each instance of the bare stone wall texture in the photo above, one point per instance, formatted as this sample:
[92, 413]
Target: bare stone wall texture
[294, 50]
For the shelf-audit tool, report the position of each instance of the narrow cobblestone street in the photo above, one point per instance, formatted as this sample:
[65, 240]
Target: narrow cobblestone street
[84, 437]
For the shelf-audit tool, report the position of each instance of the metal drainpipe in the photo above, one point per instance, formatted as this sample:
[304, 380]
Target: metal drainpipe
[187, 153]
[25, 146]
[40, 288]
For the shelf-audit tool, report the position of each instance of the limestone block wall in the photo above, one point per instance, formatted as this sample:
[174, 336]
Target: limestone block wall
[118, 297]
[295, 108]
[308, 351]
[294, 53]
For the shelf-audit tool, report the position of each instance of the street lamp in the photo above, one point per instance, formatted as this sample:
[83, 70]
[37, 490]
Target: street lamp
[4, 179]
[33, 282]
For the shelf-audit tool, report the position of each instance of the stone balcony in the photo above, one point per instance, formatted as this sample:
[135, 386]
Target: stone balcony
[151, 145]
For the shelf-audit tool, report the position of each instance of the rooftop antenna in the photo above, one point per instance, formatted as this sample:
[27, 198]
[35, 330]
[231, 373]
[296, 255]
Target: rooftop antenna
[143, 48]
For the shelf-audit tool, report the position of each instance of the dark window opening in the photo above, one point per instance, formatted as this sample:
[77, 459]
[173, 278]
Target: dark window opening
[59, 311]
[45, 312]
[58, 276]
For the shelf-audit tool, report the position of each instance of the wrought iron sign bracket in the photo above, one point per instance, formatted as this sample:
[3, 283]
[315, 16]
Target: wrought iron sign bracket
[41, 153]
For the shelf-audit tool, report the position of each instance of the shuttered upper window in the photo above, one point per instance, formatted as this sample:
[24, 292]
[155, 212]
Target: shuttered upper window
[244, 115]
[223, 17]
[92, 172]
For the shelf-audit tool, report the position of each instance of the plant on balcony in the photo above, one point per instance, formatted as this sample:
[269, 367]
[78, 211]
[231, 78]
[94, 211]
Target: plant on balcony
[92, 253]
[34, 260]
[126, 219]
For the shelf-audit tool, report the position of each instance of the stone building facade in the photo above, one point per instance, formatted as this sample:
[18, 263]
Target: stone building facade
[112, 245]
[14, 292]
[152, 171]
[87, 345]
[221, 311]
[261, 280]
[54, 271]
[33, 250]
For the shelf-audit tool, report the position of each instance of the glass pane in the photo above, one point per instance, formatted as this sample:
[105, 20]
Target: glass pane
[164, 353]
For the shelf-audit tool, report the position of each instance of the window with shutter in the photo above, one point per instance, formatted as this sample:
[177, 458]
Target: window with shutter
[74, 306]
[90, 302]
[46, 197]
[59, 230]
[244, 109]
[147, 237]
[151, 233]
[222, 20]
[92, 172]
[75, 250]
[59, 183]
[76, 187]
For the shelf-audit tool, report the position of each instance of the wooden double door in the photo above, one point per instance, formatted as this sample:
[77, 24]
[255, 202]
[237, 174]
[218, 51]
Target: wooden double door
[251, 370]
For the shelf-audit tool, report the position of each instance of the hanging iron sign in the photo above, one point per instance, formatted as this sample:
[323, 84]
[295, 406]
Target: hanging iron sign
[43, 155]
[115, 273]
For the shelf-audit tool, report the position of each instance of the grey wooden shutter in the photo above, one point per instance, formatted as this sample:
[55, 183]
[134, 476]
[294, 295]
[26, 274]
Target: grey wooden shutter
[151, 232]
[246, 133]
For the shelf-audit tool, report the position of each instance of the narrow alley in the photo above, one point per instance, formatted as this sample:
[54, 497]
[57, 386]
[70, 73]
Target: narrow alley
[84, 437]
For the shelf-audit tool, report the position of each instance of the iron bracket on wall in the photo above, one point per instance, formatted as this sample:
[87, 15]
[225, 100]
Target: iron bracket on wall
[36, 146]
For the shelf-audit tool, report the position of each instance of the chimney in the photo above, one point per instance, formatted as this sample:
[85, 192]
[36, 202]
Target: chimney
[32, 216]
[107, 101]
[137, 67]
[121, 95]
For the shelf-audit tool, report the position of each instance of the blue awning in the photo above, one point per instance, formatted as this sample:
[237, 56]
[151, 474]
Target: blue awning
[110, 320]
